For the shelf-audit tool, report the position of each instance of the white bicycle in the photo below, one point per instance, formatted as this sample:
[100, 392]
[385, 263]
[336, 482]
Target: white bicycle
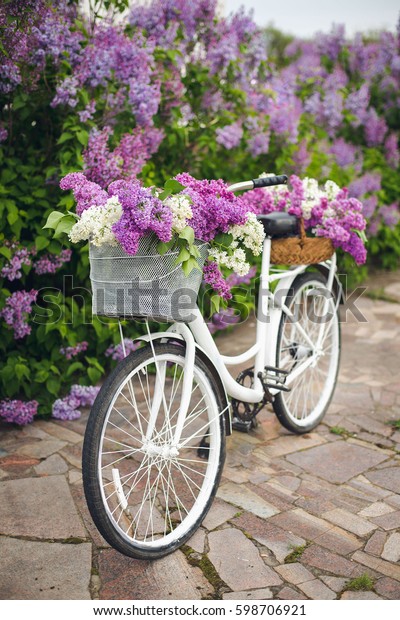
[154, 447]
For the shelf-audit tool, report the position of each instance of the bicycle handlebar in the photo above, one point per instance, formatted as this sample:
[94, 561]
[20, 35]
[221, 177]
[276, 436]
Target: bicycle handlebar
[267, 181]
[270, 180]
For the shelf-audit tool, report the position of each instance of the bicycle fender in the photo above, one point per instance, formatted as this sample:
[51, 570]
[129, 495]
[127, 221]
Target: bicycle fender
[207, 360]
[274, 318]
[337, 285]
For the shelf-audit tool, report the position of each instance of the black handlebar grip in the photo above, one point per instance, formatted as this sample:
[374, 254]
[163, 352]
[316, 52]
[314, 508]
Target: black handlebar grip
[269, 181]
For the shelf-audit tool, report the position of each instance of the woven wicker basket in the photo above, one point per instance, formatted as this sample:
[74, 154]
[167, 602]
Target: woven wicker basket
[301, 250]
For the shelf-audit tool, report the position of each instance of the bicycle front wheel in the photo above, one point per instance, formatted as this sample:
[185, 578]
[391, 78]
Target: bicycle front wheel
[146, 494]
[303, 408]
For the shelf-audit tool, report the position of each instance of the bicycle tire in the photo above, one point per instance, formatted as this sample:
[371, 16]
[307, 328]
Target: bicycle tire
[304, 407]
[169, 495]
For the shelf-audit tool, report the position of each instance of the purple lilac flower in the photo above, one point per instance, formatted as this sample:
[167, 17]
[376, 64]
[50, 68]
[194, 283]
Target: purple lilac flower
[344, 153]
[230, 135]
[71, 352]
[213, 276]
[301, 158]
[369, 206]
[145, 100]
[15, 312]
[85, 394]
[259, 144]
[3, 133]
[369, 182]
[18, 411]
[296, 196]
[215, 209]
[49, 263]
[357, 104]
[331, 44]
[375, 128]
[390, 214]
[116, 351]
[392, 153]
[142, 213]
[87, 113]
[87, 193]
[12, 269]
[67, 408]
[103, 166]
[235, 280]
[222, 320]
[66, 93]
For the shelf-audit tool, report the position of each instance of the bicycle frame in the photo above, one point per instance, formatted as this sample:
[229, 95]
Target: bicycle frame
[269, 312]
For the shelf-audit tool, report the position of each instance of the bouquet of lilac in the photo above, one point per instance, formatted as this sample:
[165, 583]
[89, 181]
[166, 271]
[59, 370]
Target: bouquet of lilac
[327, 212]
[184, 211]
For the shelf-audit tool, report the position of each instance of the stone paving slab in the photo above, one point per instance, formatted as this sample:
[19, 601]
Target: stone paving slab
[39, 508]
[170, 578]
[238, 562]
[42, 571]
[296, 517]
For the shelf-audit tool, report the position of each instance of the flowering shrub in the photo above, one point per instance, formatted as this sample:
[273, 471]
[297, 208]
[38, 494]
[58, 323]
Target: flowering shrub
[170, 87]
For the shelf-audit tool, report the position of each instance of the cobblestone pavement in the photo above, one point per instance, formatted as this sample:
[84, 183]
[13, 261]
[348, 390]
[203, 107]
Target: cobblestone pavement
[296, 517]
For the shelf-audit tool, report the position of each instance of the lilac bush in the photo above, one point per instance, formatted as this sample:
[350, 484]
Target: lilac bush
[172, 86]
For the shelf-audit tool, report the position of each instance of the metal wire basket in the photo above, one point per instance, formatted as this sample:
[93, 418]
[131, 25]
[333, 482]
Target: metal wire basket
[143, 285]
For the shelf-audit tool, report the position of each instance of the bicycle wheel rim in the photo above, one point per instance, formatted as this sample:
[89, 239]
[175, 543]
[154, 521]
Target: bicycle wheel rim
[144, 522]
[312, 391]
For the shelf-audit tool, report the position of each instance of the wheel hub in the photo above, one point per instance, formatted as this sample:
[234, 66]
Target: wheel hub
[164, 450]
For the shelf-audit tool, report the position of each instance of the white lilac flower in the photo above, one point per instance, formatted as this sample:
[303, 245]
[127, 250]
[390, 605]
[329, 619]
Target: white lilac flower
[96, 224]
[235, 261]
[181, 211]
[331, 190]
[251, 234]
[312, 196]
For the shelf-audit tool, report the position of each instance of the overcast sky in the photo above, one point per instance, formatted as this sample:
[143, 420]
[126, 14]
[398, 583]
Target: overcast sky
[305, 17]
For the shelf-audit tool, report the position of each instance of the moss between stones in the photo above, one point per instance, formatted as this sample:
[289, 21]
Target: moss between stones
[339, 430]
[363, 582]
[207, 568]
[296, 553]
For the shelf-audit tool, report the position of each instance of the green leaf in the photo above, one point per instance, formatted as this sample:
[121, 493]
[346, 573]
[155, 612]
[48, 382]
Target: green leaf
[94, 374]
[53, 385]
[163, 248]
[64, 137]
[189, 265]
[183, 256]
[41, 242]
[188, 234]
[53, 219]
[224, 239]
[173, 187]
[64, 226]
[5, 252]
[215, 303]
[73, 367]
[12, 217]
[41, 376]
[83, 137]
[22, 371]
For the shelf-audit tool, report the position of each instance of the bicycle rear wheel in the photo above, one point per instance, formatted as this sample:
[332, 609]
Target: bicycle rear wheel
[147, 496]
[303, 408]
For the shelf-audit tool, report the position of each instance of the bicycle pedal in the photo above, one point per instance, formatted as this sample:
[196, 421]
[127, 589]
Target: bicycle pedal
[243, 426]
[274, 378]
